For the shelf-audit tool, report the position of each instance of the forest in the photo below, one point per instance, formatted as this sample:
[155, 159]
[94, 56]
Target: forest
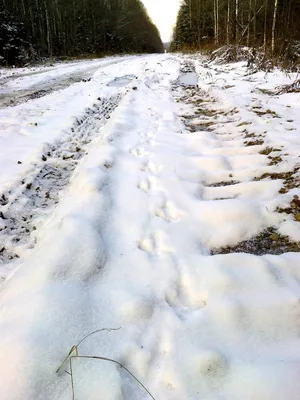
[33, 29]
[272, 25]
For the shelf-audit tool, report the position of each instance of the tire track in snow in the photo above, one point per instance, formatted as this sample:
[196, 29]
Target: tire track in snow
[40, 190]
[11, 98]
[190, 322]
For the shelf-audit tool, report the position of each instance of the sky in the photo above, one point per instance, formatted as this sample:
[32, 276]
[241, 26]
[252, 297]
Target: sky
[163, 14]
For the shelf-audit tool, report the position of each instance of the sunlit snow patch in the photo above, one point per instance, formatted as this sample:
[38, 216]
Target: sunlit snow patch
[122, 81]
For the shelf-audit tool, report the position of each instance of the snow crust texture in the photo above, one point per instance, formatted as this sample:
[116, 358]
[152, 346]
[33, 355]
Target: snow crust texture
[129, 184]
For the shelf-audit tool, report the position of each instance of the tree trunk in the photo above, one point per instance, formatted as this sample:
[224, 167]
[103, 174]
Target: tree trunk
[237, 35]
[255, 22]
[249, 23]
[228, 22]
[217, 22]
[274, 25]
[24, 10]
[216, 18]
[48, 31]
[190, 12]
[287, 26]
[266, 27]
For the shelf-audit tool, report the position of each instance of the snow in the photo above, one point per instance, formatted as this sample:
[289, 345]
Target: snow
[19, 86]
[188, 79]
[25, 78]
[26, 128]
[128, 243]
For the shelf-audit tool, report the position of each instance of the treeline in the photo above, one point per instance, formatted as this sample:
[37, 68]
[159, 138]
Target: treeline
[271, 24]
[45, 28]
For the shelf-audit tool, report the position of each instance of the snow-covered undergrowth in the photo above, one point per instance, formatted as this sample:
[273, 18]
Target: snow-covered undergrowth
[249, 157]
[170, 177]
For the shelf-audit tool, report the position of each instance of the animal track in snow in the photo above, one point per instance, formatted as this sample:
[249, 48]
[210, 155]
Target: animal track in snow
[149, 142]
[147, 135]
[184, 295]
[151, 184]
[169, 212]
[211, 366]
[139, 152]
[157, 244]
[152, 167]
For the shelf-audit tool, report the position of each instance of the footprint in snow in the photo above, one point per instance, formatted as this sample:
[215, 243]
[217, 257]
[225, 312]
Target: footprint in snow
[152, 167]
[151, 184]
[149, 142]
[147, 135]
[169, 211]
[211, 366]
[157, 244]
[139, 152]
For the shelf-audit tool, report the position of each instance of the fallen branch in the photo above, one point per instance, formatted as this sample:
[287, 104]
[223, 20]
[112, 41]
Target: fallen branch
[292, 88]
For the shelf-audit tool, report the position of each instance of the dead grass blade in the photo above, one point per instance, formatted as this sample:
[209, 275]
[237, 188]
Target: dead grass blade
[70, 357]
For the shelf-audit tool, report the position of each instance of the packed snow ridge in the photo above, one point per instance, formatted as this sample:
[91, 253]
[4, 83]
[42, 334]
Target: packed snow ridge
[157, 196]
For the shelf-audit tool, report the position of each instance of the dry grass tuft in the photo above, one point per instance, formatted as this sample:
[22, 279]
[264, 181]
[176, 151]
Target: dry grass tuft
[74, 349]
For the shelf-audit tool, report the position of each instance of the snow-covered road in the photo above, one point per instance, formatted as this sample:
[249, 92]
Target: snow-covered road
[119, 198]
[22, 84]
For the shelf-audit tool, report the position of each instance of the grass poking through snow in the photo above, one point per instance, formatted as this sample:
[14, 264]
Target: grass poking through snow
[74, 349]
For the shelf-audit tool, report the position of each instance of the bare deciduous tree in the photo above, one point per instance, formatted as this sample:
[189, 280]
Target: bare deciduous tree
[272, 24]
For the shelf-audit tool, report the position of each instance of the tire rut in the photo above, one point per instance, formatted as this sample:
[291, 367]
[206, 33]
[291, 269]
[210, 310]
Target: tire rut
[25, 205]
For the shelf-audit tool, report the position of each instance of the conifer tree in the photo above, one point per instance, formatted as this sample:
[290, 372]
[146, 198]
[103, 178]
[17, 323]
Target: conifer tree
[47, 28]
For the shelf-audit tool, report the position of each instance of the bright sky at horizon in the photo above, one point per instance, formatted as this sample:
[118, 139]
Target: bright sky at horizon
[163, 14]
